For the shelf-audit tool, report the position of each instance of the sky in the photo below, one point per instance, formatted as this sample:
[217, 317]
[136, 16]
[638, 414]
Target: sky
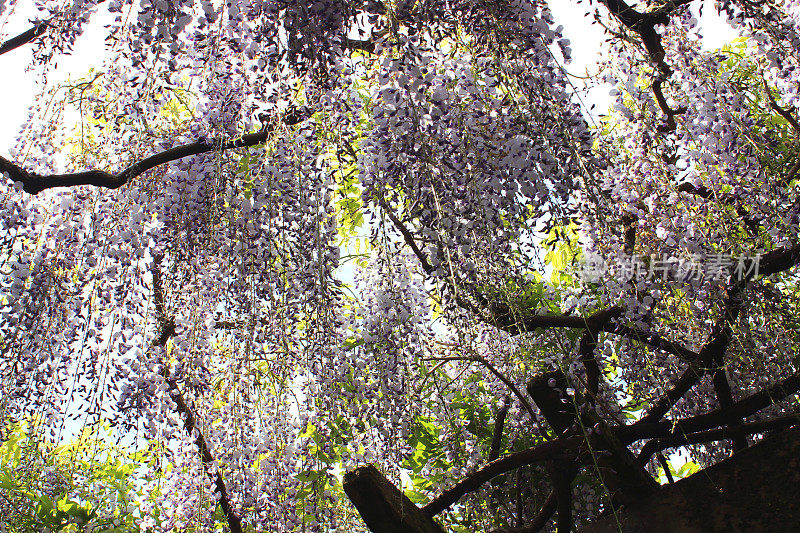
[18, 85]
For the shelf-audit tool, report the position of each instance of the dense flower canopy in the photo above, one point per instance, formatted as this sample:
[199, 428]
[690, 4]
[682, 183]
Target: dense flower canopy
[283, 239]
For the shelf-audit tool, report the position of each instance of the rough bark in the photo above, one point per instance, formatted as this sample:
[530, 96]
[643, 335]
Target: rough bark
[384, 508]
[753, 491]
[615, 464]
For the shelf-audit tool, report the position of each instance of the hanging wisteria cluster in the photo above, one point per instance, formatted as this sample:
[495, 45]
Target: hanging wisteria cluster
[279, 240]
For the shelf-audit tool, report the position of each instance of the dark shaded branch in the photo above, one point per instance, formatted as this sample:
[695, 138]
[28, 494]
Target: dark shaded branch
[366, 45]
[725, 397]
[718, 417]
[670, 113]
[498, 314]
[654, 340]
[644, 25]
[562, 471]
[190, 425]
[586, 348]
[564, 507]
[702, 191]
[542, 518]
[407, 237]
[549, 393]
[34, 183]
[744, 407]
[602, 320]
[778, 260]
[32, 33]
[502, 317]
[497, 433]
[505, 464]
[628, 16]
[785, 113]
[664, 464]
[711, 353]
[516, 322]
[786, 180]
[685, 382]
[25, 37]
[166, 322]
[629, 233]
[730, 432]
[727, 199]
[614, 465]
[548, 508]
[383, 507]
[507, 382]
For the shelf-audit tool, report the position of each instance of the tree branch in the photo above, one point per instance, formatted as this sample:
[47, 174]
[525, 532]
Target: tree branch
[562, 471]
[665, 465]
[729, 432]
[785, 113]
[502, 317]
[407, 237]
[25, 37]
[599, 321]
[727, 199]
[725, 397]
[497, 433]
[505, 464]
[613, 462]
[644, 25]
[549, 393]
[190, 424]
[586, 348]
[718, 417]
[542, 518]
[786, 180]
[685, 382]
[167, 324]
[670, 113]
[711, 353]
[629, 223]
[654, 340]
[34, 183]
[778, 260]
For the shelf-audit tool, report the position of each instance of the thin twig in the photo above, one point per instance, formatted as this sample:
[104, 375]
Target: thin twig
[508, 383]
[785, 113]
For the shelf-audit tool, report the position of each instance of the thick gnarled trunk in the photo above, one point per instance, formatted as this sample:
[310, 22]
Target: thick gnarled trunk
[755, 490]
